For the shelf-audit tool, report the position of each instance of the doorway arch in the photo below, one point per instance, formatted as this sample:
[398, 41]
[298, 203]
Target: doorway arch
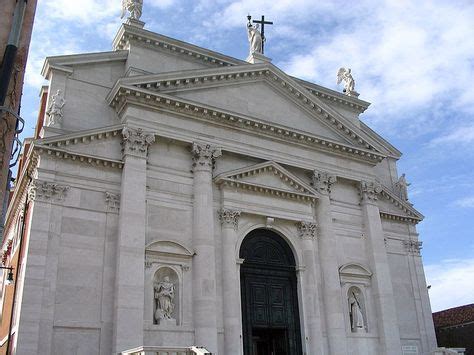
[268, 284]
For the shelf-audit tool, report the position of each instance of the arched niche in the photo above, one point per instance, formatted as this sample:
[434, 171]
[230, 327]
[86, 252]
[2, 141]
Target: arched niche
[166, 297]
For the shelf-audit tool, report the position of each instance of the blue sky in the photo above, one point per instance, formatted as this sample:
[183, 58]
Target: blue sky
[413, 60]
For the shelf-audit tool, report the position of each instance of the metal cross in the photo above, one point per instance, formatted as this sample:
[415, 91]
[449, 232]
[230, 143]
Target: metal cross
[262, 22]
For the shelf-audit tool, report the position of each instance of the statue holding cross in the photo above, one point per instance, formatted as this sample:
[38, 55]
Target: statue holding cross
[256, 38]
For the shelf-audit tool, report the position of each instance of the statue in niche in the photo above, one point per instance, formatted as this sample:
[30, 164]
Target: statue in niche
[344, 74]
[402, 187]
[164, 296]
[55, 110]
[255, 38]
[134, 7]
[356, 312]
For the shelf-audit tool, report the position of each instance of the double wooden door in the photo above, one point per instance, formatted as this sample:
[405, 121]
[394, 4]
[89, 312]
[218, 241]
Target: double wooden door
[269, 296]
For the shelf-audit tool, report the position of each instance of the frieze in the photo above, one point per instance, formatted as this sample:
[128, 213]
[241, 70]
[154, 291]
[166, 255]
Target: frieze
[46, 191]
[229, 217]
[307, 230]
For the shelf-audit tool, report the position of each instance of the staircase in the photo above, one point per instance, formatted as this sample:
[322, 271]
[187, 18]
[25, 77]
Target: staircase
[164, 350]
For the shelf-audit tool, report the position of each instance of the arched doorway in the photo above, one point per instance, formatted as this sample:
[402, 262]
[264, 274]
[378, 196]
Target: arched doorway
[268, 284]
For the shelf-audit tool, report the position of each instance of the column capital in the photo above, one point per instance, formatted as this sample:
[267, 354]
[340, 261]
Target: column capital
[229, 217]
[204, 155]
[307, 230]
[112, 202]
[136, 142]
[46, 191]
[413, 247]
[322, 181]
[369, 191]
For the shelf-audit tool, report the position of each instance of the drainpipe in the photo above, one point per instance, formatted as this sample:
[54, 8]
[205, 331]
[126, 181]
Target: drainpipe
[11, 49]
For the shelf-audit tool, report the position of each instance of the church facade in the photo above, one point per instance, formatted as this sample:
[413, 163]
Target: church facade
[177, 196]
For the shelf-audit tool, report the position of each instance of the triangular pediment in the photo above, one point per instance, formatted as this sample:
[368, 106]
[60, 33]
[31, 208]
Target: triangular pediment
[98, 146]
[260, 91]
[268, 177]
[393, 207]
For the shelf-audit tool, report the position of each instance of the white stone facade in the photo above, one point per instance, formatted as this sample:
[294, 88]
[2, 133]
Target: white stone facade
[167, 155]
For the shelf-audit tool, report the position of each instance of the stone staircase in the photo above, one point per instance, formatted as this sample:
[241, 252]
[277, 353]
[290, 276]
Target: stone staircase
[164, 350]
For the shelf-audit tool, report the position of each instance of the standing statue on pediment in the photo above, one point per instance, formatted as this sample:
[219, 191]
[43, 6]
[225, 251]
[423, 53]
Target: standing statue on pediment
[134, 7]
[55, 110]
[255, 38]
[344, 74]
[164, 295]
[401, 186]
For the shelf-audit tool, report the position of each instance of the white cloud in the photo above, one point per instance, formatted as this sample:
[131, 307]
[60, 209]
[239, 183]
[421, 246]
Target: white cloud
[85, 11]
[466, 202]
[161, 4]
[461, 135]
[451, 283]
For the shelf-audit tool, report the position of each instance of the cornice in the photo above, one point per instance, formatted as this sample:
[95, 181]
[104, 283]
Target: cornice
[85, 136]
[62, 62]
[179, 81]
[353, 103]
[131, 94]
[129, 34]
[399, 218]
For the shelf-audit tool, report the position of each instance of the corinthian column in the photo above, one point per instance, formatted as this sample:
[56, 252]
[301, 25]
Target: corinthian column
[204, 262]
[232, 324]
[130, 276]
[381, 280]
[308, 233]
[336, 331]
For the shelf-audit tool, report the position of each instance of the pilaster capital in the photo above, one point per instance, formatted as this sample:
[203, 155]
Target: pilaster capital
[229, 217]
[413, 247]
[112, 202]
[136, 141]
[322, 181]
[369, 191]
[204, 155]
[307, 230]
[46, 191]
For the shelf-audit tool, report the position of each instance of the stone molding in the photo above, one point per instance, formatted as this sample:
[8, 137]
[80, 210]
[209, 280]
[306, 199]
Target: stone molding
[369, 191]
[46, 191]
[112, 201]
[182, 106]
[307, 230]
[136, 142]
[229, 218]
[394, 217]
[413, 247]
[204, 155]
[322, 181]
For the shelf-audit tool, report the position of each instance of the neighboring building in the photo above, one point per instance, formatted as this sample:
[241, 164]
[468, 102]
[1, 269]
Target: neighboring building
[177, 196]
[455, 328]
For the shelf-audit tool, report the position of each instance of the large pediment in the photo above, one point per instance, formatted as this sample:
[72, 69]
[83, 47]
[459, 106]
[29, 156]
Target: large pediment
[268, 178]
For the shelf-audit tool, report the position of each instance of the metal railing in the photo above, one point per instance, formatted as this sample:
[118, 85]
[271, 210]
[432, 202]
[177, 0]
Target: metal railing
[165, 350]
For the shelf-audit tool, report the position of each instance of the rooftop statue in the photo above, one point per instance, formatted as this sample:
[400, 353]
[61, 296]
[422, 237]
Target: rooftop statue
[255, 38]
[344, 74]
[134, 7]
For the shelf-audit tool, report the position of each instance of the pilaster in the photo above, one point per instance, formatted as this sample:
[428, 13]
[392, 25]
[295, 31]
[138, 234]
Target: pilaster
[204, 261]
[35, 325]
[308, 232]
[130, 279]
[382, 282]
[336, 330]
[231, 285]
